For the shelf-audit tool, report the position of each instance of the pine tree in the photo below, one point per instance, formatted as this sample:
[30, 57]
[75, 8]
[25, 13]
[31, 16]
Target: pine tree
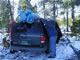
[74, 3]
[42, 4]
[25, 4]
[5, 15]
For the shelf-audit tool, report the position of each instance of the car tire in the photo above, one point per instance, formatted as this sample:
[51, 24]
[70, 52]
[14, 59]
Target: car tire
[12, 51]
[47, 51]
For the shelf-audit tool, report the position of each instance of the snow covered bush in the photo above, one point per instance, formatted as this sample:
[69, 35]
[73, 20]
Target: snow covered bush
[75, 28]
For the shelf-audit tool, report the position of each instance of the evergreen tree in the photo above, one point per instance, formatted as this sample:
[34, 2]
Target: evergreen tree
[74, 3]
[5, 15]
[43, 4]
[65, 5]
[25, 4]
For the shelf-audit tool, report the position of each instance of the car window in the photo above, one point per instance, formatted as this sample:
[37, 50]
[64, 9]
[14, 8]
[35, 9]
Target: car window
[35, 28]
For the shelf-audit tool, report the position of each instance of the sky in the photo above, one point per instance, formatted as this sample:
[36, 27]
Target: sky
[33, 2]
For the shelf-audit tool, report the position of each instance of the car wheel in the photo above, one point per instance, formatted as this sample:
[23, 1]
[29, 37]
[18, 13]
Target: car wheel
[12, 51]
[47, 51]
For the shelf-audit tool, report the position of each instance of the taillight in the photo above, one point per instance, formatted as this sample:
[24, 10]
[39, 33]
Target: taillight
[43, 39]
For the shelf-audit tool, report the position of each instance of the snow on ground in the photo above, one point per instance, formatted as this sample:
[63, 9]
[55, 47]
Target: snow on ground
[0, 40]
[76, 44]
[63, 52]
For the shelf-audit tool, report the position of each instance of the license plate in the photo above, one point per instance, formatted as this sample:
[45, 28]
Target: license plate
[24, 42]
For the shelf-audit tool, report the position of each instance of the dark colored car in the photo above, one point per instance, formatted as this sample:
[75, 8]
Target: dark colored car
[29, 37]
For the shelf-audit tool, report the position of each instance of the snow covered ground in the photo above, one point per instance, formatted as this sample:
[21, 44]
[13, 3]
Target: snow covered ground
[63, 52]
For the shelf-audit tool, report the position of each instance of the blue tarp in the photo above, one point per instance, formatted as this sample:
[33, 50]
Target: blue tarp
[27, 16]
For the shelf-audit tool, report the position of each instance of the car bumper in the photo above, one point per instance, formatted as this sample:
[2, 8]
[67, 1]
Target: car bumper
[35, 49]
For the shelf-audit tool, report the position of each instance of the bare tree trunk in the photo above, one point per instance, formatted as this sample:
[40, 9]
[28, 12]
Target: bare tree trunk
[3, 8]
[72, 6]
[10, 10]
[57, 11]
[64, 16]
[44, 9]
[73, 17]
[67, 19]
[54, 10]
[13, 9]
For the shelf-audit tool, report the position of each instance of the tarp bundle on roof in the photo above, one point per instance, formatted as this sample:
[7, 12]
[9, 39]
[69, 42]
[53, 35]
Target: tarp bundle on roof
[27, 16]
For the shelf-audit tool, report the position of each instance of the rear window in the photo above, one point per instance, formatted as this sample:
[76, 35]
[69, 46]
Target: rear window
[35, 28]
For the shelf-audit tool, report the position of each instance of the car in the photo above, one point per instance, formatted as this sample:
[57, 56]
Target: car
[30, 37]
